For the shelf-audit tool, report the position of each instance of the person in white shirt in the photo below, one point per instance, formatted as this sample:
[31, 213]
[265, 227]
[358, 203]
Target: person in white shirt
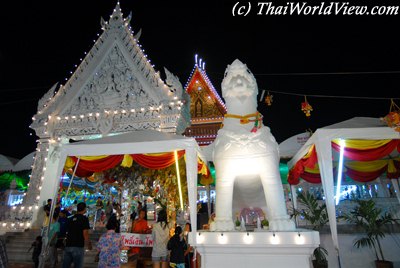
[160, 235]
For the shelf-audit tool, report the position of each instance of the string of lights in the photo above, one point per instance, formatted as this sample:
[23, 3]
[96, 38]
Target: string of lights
[327, 96]
[328, 73]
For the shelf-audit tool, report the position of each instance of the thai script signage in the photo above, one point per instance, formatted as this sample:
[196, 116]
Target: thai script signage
[137, 240]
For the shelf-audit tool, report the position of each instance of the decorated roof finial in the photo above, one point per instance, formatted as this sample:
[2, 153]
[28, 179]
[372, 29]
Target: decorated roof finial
[103, 23]
[116, 16]
[128, 19]
[138, 34]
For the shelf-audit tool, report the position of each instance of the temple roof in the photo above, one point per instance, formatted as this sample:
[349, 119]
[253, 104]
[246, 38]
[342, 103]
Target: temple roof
[115, 76]
[206, 104]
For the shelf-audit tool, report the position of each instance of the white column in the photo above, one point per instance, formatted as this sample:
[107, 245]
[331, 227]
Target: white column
[31, 200]
[191, 175]
[324, 152]
[50, 180]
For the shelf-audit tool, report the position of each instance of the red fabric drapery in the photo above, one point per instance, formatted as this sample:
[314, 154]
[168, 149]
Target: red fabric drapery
[309, 161]
[355, 175]
[355, 154]
[364, 176]
[99, 165]
[86, 168]
[311, 177]
[158, 161]
[369, 154]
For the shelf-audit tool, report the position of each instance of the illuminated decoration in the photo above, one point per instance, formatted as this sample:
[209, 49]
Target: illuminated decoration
[257, 249]
[275, 239]
[306, 107]
[268, 99]
[248, 239]
[245, 155]
[364, 161]
[392, 119]
[223, 239]
[21, 179]
[206, 106]
[179, 179]
[114, 89]
[300, 240]
[340, 170]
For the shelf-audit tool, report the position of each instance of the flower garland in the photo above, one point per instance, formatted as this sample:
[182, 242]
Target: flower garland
[245, 119]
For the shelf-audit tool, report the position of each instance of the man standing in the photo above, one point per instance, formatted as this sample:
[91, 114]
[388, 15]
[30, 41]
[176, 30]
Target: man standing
[77, 235]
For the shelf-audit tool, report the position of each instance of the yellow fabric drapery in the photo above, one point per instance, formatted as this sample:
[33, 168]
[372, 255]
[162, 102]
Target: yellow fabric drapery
[362, 144]
[69, 163]
[391, 167]
[369, 166]
[127, 161]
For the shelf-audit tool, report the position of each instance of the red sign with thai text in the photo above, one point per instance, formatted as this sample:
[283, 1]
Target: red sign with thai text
[137, 240]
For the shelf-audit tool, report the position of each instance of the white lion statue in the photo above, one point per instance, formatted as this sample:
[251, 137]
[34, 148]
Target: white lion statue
[244, 150]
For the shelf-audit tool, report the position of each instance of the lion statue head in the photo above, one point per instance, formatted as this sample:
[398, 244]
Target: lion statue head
[238, 81]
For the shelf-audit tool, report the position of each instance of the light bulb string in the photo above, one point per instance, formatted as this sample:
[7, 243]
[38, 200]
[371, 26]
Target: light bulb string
[331, 96]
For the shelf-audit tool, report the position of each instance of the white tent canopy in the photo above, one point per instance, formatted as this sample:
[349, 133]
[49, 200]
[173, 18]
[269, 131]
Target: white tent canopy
[289, 147]
[363, 128]
[140, 142]
[7, 163]
[25, 163]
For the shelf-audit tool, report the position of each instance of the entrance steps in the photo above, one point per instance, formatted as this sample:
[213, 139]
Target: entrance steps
[18, 244]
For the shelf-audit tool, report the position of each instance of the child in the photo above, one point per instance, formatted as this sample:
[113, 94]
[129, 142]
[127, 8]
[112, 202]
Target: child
[37, 249]
[178, 246]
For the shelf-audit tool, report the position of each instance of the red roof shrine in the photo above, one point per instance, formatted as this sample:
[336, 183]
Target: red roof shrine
[206, 108]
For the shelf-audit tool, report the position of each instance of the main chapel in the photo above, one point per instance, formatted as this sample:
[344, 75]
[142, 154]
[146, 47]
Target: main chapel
[115, 89]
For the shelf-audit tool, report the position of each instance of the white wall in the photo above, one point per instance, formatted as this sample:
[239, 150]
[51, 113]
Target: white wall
[351, 257]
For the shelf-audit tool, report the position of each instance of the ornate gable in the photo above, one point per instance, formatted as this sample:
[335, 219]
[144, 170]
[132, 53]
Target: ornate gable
[114, 85]
[205, 101]
[114, 89]
[207, 109]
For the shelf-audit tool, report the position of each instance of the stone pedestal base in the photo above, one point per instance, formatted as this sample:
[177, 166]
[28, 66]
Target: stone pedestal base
[256, 249]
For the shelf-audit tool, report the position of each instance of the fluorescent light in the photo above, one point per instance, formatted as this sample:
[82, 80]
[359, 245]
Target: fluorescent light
[340, 169]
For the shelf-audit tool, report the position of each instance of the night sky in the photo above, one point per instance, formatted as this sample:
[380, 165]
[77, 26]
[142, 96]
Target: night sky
[41, 41]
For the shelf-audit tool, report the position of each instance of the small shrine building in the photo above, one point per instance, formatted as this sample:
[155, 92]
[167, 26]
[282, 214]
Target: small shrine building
[207, 109]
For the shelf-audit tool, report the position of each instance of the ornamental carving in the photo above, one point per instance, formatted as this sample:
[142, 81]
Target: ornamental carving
[203, 104]
[113, 86]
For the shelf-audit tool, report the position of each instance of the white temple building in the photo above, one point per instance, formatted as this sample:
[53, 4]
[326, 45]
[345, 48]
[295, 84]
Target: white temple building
[114, 90]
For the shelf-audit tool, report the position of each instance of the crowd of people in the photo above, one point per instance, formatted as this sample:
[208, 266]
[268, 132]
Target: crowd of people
[70, 232]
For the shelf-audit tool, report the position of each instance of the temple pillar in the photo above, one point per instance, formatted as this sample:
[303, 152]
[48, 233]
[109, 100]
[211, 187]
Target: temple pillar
[34, 191]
